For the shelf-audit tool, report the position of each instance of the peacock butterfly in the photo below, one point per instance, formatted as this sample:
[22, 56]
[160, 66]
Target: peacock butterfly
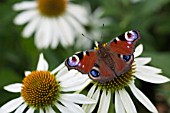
[106, 61]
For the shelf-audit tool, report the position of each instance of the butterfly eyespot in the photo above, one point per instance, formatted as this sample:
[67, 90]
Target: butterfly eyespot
[73, 61]
[94, 73]
[131, 36]
[126, 58]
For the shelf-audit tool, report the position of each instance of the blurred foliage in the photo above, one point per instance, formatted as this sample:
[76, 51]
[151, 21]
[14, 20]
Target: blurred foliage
[150, 17]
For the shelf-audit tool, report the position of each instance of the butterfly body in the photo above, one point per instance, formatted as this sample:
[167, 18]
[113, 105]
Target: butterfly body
[106, 61]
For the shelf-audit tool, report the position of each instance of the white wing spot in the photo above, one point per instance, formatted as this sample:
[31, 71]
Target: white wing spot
[129, 42]
[117, 39]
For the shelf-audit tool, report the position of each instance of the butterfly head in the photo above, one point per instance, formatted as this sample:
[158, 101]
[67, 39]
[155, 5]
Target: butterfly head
[99, 45]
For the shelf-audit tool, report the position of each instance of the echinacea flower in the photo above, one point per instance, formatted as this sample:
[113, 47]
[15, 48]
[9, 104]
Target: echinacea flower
[123, 102]
[43, 90]
[52, 21]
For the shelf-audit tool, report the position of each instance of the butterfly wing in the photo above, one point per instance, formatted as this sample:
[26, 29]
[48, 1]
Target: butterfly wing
[82, 61]
[125, 43]
[110, 65]
[122, 49]
[108, 61]
[90, 63]
[101, 72]
[122, 63]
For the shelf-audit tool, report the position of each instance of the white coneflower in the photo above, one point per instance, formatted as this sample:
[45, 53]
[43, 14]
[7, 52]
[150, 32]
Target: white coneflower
[123, 102]
[42, 91]
[52, 21]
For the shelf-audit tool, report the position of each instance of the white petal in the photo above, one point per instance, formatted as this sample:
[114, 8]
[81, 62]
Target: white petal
[54, 35]
[61, 35]
[75, 81]
[41, 111]
[30, 110]
[57, 33]
[27, 73]
[69, 30]
[42, 38]
[142, 60]
[89, 94]
[55, 41]
[43, 33]
[91, 107]
[72, 107]
[91, 91]
[25, 17]
[48, 33]
[127, 101]
[138, 50]
[49, 110]
[62, 65]
[61, 73]
[42, 63]
[118, 104]
[31, 27]
[77, 88]
[62, 108]
[75, 24]
[21, 108]
[11, 105]
[66, 33]
[84, 42]
[148, 69]
[104, 102]
[142, 98]
[152, 78]
[39, 33]
[98, 13]
[108, 99]
[68, 75]
[25, 5]
[77, 98]
[14, 87]
[81, 13]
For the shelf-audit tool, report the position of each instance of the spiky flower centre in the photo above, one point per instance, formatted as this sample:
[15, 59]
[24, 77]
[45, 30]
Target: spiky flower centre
[119, 82]
[40, 89]
[52, 8]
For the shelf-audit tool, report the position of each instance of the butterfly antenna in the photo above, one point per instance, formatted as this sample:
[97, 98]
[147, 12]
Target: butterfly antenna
[101, 34]
[87, 37]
